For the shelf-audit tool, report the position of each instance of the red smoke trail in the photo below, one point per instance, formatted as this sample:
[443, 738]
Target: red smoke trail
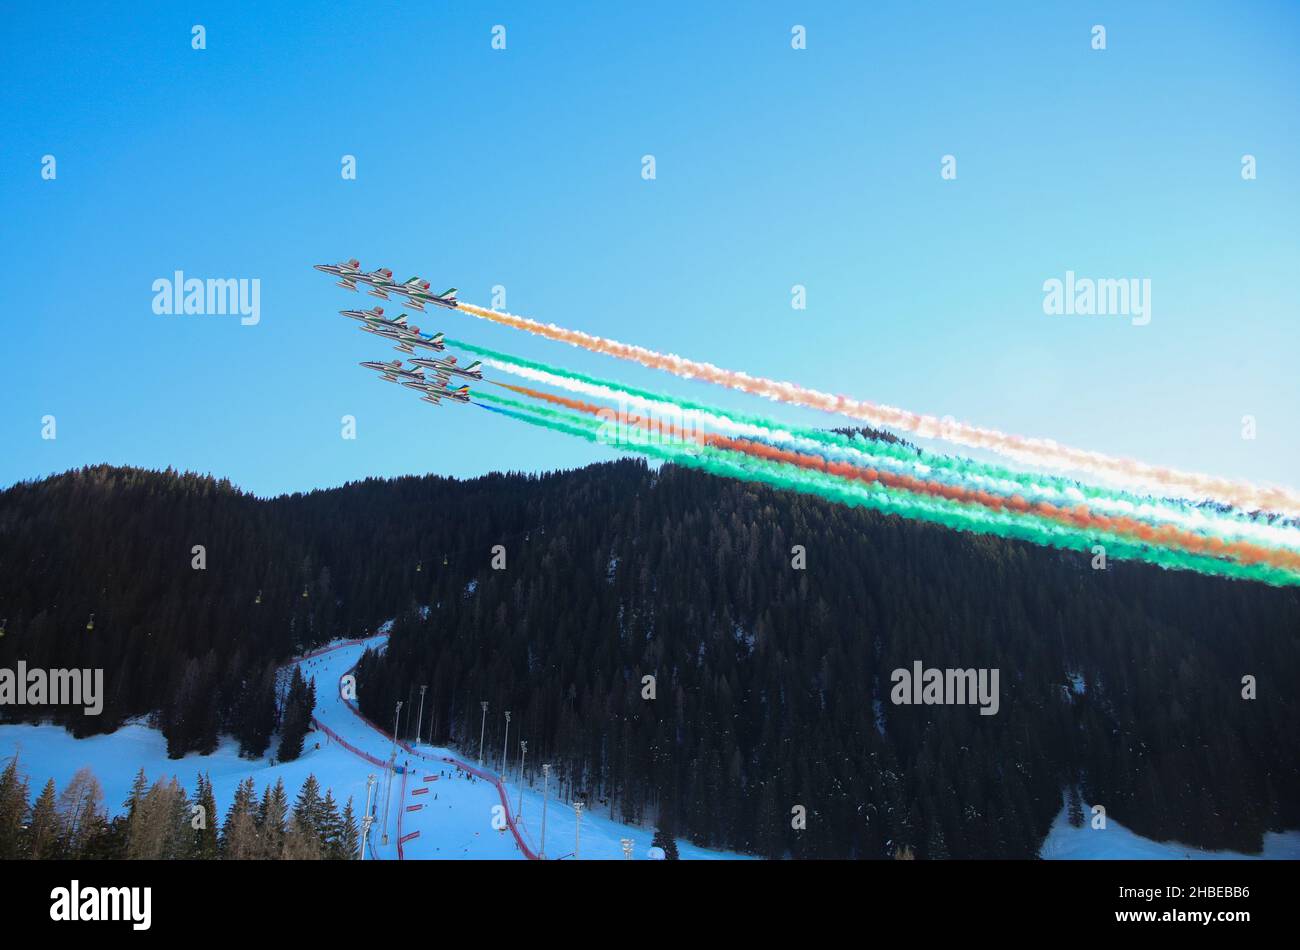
[1078, 517]
[1044, 452]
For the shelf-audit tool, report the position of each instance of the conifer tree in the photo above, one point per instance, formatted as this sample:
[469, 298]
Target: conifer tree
[664, 839]
[349, 839]
[273, 821]
[203, 821]
[309, 809]
[239, 834]
[13, 810]
[44, 838]
[79, 806]
[331, 826]
[296, 718]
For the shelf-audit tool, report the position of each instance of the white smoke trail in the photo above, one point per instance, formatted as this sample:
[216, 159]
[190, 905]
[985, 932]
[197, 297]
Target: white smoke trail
[1045, 453]
[1187, 517]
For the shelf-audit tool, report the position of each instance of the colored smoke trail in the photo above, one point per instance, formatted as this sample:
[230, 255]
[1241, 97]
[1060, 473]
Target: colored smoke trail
[1079, 517]
[957, 472]
[1030, 527]
[1042, 452]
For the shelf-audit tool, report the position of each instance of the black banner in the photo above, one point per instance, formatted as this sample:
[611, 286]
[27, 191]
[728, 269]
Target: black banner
[580, 900]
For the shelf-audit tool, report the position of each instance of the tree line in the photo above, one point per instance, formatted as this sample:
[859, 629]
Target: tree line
[771, 682]
[163, 822]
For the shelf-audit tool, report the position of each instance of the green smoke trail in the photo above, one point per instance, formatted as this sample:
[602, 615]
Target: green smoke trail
[953, 469]
[956, 515]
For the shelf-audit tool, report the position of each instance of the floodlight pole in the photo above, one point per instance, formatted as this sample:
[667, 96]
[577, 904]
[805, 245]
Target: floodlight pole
[523, 752]
[505, 747]
[481, 730]
[546, 776]
[392, 764]
[419, 721]
[577, 829]
[367, 819]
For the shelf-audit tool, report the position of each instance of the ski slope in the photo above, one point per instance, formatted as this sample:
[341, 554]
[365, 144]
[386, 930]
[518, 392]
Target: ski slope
[1065, 842]
[452, 819]
[449, 807]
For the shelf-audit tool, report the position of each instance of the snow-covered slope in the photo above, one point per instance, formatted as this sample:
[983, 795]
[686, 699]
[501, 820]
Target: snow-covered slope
[1065, 842]
[454, 818]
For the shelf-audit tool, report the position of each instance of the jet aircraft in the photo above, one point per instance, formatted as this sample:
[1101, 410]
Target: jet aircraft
[448, 365]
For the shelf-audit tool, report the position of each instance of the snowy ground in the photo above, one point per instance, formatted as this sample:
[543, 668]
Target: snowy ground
[1065, 842]
[454, 817]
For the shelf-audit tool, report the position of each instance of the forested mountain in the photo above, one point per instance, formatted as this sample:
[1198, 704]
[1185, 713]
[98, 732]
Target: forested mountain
[772, 683]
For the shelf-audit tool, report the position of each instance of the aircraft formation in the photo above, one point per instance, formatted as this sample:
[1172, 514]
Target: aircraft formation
[1176, 520]
[429, 375]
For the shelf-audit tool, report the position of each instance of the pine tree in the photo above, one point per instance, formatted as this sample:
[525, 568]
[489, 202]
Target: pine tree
[239, 835]
[330, 826]
[664, 839]
[180, 833]
[936, 846]
[296, 719]
[139, 785]
[151, 830]
[309, 809]
[203, 821]
[349, 839]
[80, 805]
[300, 842]
[255, 717]
[13, 810]
[272, 821]
[44, 838]
[1076, 807]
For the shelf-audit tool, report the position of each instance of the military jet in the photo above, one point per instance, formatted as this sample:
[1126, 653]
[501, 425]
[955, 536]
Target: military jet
[393, 372]
[436, 391]
[416, 292]
[429, 392]
[380, 281]
[381, 284]
[448, 365]
[408, 341]
[348, 272]
[441, 391]
[375, 315]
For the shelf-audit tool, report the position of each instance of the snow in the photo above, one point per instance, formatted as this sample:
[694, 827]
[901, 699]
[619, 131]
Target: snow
[1065, 842]
[456, 817]
[47, 751]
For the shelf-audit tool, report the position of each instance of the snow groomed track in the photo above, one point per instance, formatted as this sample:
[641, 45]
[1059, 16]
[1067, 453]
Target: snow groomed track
[339, 719]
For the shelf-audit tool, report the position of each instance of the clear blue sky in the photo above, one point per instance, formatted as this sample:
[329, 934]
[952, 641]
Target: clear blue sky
[522, 168]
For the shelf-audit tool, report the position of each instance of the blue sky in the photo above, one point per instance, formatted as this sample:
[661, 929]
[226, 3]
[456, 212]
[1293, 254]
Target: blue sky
[776, 167]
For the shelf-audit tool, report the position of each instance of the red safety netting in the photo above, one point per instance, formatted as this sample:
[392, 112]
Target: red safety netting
[450, 760]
